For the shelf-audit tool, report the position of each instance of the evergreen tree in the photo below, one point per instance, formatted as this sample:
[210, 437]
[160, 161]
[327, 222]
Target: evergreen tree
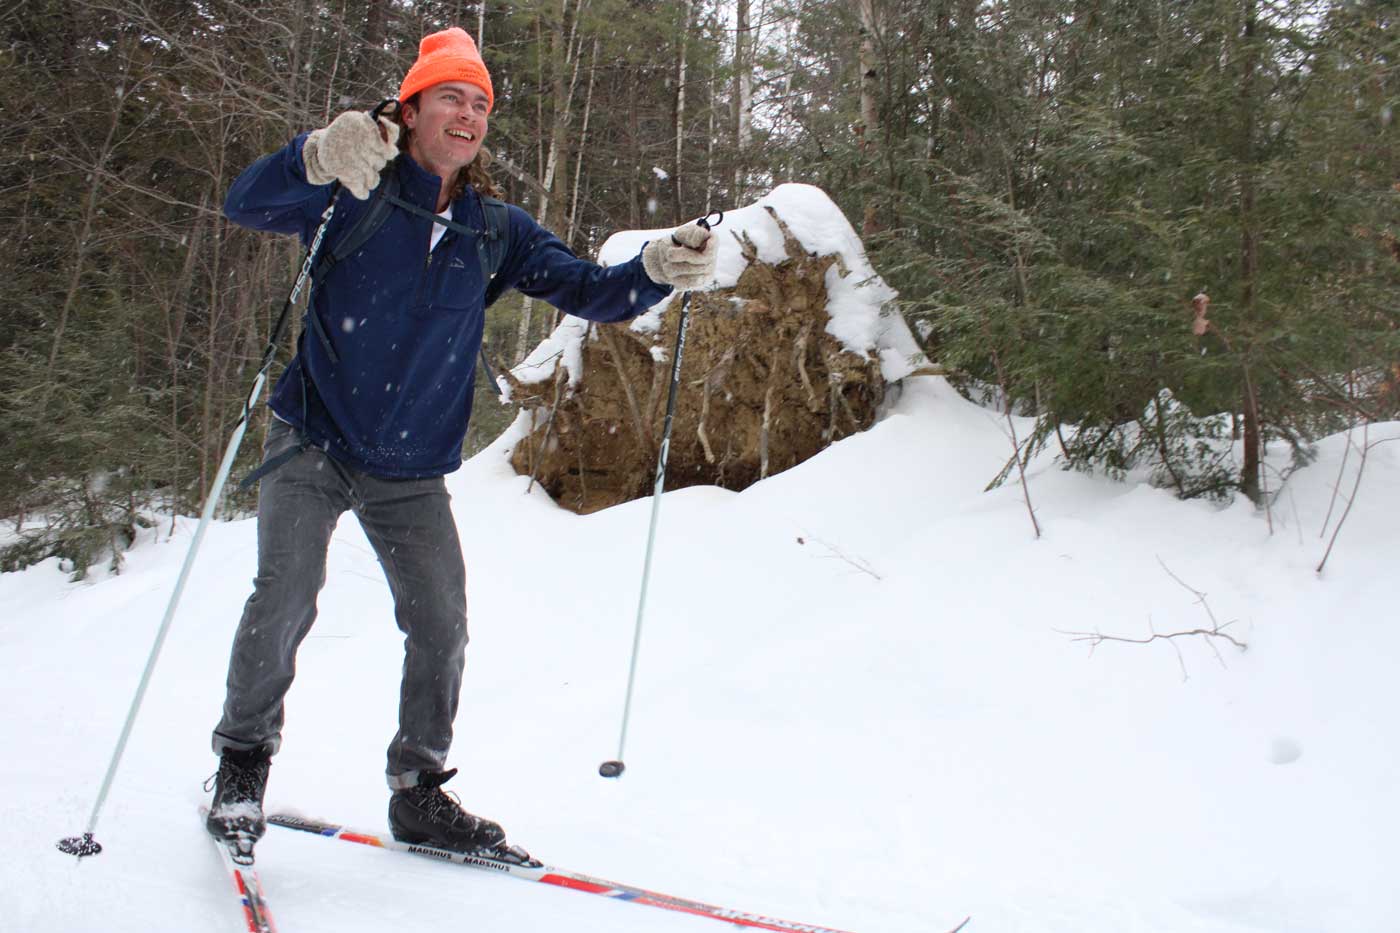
[1169, 228]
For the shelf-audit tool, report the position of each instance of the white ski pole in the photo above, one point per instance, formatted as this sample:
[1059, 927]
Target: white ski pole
[85, 844]
[615, 767]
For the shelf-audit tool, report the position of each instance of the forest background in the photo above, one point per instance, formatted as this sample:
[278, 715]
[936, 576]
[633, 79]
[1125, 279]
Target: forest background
[1168, 229]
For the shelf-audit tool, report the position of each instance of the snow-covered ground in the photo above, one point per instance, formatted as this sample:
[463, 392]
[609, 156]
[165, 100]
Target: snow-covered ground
[857, 707]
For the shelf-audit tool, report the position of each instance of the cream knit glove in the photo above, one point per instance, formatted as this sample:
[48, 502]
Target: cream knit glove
[351, 150]
[686, 259]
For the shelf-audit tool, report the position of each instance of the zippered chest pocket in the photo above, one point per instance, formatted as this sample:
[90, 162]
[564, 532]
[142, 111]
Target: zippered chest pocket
[451, 280]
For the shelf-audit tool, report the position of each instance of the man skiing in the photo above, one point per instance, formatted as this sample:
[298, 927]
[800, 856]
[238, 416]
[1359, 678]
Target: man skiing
[372, 410]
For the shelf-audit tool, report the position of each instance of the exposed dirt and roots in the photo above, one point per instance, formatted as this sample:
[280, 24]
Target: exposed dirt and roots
[763, 387]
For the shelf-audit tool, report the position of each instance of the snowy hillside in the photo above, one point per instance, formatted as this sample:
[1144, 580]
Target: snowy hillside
[857, 706]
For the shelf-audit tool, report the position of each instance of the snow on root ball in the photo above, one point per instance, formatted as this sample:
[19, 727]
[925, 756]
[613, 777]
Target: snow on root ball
[790, 351]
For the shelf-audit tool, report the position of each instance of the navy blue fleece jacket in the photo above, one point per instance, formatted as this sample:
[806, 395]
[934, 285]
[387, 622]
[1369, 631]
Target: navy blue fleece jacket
[393, 394]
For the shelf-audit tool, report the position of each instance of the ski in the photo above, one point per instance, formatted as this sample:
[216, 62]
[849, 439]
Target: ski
[534, 870]
[246, 884]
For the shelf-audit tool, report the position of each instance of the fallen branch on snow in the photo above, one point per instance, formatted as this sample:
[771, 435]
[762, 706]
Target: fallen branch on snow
[1216, 630]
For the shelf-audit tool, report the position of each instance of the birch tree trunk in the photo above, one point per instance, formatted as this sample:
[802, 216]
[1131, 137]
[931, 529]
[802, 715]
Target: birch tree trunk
[742, 100]
[582, 145]
[564, 68]
[676, 168]
[869, 124]
[710, 148]
[564, 60]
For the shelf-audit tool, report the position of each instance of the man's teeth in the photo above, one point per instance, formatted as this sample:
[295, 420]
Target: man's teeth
[463, 134]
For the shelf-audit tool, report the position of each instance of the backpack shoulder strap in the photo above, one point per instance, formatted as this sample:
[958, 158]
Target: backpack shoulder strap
[385, 193]
[491, 245]
[491, 250]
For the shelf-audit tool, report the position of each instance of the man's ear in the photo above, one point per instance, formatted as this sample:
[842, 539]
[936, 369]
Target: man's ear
[410, 115]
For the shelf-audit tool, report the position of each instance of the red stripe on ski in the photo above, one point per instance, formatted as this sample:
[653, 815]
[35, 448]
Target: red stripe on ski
[362, 839]
[576, 884]
[255, 912]
[241, 889]
[741, 920]
[248, 887]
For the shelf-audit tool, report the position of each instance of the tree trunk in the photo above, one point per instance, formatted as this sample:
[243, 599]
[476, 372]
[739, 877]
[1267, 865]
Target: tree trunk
[1250, 472]
[582, 145]
[710, 148]
[371, 44]
[80, 249]
[634, 190]
[539, 104]
[374, 24]
[564, 67]
[295, 108]
[676, 172]
[742, 100]
[175, 315]
[869, 125]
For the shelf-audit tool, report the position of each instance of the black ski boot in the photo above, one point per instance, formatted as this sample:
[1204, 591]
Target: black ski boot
[236, 813]
[427, 815]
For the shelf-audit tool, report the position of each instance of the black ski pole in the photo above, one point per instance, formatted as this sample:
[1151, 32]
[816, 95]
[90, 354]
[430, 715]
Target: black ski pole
[85, 844]
[615, 767]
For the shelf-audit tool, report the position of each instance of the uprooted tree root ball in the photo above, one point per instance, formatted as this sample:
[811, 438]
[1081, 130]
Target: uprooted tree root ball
[763, 388]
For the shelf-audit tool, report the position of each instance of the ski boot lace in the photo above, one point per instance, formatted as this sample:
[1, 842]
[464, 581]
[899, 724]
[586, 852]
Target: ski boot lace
[239, 780]
[437, 803]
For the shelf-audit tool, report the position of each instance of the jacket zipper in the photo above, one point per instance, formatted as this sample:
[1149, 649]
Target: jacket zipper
[423, 279]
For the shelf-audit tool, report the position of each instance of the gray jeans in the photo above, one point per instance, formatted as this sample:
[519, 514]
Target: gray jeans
[410, 526]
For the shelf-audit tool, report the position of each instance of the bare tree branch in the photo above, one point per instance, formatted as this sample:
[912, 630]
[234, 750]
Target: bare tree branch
[1216, 630]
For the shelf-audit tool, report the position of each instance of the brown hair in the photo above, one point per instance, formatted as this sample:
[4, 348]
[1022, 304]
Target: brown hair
[477, 174]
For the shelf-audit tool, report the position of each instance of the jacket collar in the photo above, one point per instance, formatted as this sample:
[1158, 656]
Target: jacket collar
[421, 186]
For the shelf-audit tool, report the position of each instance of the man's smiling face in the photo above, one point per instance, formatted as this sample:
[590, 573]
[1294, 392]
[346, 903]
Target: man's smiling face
[448, 124]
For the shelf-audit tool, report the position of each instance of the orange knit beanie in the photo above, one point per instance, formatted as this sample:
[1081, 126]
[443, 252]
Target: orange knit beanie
[449, 55]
